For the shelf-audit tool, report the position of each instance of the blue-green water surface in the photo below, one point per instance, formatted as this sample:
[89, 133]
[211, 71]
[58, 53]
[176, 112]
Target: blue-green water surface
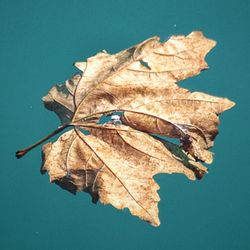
[39, 41]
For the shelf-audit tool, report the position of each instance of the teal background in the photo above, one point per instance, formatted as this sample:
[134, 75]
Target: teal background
[39, 41]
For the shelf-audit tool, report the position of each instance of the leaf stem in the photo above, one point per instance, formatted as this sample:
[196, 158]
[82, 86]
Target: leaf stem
[22, 152]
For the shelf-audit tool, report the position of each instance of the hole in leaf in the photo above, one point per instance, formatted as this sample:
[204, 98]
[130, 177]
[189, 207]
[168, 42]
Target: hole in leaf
[145, 64]
[108, 118]
[167, 139]
[85, 131]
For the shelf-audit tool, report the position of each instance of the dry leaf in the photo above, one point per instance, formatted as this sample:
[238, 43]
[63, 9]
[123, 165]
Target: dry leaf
[116, 162]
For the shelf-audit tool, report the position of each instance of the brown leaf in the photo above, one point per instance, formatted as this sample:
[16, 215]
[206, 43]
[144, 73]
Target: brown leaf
[114, 165]
[61, 99]
[192, 117]
[116, 162]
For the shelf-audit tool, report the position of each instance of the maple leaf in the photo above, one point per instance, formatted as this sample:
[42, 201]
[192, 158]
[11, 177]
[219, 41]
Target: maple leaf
[115, 162]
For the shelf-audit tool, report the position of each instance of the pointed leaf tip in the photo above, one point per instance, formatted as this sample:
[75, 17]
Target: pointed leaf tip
[80, 65]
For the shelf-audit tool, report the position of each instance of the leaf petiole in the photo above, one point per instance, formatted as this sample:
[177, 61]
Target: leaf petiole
[22, 152]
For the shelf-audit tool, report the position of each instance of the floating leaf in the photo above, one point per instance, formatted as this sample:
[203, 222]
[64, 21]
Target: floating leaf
[115, 162]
